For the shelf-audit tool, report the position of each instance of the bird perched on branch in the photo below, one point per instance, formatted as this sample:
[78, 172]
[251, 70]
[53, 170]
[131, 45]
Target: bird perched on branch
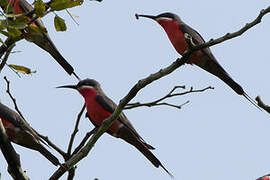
[20, 132]
[177, 30]
[41, 37]
[99, 107]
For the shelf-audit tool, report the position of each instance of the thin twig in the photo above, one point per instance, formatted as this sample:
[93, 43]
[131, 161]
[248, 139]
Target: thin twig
[71, 16]
[141, 84]
[170, 94]
[262, 105]
[228, 36]
[12, 98]
[45, 138]
[75, 130]
[71, 172]
[86, 137]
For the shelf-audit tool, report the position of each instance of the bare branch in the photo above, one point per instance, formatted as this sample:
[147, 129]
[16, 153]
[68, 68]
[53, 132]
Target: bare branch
[86, 137]
[12, 158]
[12, 98]
[141, 84]
[75, 130]
[170, 94]
[235, 34]
[45, 138]
[71, 172]
[71, 16]
[262, 105]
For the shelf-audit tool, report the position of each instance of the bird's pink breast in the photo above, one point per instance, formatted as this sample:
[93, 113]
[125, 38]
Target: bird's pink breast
[16, 7]
[176, 37]
[98, 114]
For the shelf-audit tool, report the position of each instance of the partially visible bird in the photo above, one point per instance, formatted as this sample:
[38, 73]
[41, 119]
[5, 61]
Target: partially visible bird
[176, 30]
[20, 132]
[41, 38]
[267, 177]
[99, 107]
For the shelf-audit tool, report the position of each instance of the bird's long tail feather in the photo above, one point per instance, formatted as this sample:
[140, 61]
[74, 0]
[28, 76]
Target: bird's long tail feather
[47, 44]
[48, 155]
[128, 136]
[251, 101]
[212, 66]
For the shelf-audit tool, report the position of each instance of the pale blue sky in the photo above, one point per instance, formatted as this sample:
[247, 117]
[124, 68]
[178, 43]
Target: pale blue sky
[218, 135]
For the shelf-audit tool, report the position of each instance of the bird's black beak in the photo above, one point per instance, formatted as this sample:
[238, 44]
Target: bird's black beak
[146, 16]
[68, 86]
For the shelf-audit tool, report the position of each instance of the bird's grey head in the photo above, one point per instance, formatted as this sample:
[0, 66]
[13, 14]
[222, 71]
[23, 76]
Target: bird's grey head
[88, 83]
[168, 16]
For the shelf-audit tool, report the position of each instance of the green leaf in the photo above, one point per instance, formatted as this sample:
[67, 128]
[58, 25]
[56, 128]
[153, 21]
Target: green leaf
[21, 69]
[4, 33]
[3, 24]
[40, 8]
[75, 3]
[35, 29]
[4, 4]
[1, 41]
[12, 32]
[59, 24]
[59, 5]
[18, 23]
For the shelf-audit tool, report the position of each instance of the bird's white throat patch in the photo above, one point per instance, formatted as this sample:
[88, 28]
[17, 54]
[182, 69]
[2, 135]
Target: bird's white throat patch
[165, 18]
[85, 87]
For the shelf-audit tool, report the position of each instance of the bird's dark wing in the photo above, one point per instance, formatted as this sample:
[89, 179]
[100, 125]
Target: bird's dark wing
[198, 39]
[11, 116]
[110, 106]
[14, 118]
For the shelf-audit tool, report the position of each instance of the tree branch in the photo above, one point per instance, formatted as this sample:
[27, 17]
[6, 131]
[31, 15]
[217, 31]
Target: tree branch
[45, 138]
[12, 158]
[141, 84]
[262, 105]
[4, 61]
[12, 98]
[228, 36]
[71, 172]
[170, 94]
[75, 130]
[86, 137]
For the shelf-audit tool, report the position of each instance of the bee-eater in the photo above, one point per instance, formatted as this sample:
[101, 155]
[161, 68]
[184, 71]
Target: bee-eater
[20, 132]
[41, 38]
[99, 107]
[176, 29]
